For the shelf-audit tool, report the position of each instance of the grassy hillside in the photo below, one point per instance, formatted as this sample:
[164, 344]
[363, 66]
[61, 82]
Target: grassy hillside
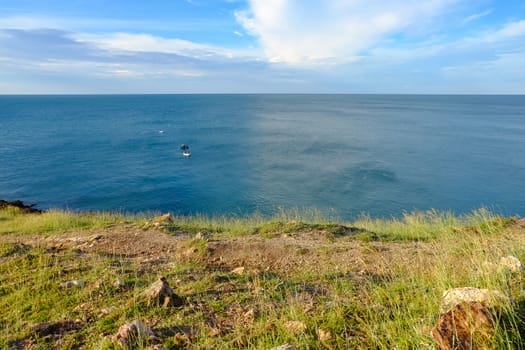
[253, 283]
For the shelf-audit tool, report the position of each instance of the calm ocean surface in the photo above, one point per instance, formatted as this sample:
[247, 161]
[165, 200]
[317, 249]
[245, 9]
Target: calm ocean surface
[348, 154]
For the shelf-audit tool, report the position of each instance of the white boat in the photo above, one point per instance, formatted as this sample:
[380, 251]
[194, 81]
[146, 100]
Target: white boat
[186, 153]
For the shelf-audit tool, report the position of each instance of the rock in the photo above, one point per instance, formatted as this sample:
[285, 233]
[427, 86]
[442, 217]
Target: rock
[107, 310]
[201, 235]
[162, 220]
[181, 340]
[160, 293]
[295, 327]
[133, 334]
[453, 297]
[511, 264]
[70, 284]
[467, 326]
[59, 327]
[95, 238]
[239, 270]
[120, 283]
[249, 314]
[467, 318]
[157, 347]
[324, 335]
[25, 208]
[214, 332]
[285, 347]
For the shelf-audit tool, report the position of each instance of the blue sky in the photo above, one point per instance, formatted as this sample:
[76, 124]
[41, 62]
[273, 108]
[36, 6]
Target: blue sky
[262, 46]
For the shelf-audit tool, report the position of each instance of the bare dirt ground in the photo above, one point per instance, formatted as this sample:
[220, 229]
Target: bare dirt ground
[313, 251]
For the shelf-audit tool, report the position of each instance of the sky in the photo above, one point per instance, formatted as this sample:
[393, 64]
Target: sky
[262, 46]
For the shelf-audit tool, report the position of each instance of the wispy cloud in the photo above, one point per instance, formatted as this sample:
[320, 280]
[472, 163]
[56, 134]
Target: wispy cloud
[477, 16]
[510, 30]
[149, 43]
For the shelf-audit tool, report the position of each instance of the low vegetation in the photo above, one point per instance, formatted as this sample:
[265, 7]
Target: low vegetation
[250, 283]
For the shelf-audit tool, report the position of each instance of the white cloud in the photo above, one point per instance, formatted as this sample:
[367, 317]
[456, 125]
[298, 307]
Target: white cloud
[319, 31]
[477, 16]
[502, 75]
[512, 29]
[149, 43]
[117, 35]
[504, 36]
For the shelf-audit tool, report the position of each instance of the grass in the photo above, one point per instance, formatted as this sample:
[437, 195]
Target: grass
[14, 221]
[393, 304]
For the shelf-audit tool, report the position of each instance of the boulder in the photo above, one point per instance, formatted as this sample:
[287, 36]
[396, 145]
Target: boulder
[467, 318]
[467, 326]
[160, 293]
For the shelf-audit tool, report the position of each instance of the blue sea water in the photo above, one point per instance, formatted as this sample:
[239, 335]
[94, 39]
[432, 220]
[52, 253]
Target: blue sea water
[343, 154]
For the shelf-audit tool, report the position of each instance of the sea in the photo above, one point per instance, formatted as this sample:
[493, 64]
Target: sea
[340, 155]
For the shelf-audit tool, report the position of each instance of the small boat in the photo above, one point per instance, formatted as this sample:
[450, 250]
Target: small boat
[184, 147]
[186, 153]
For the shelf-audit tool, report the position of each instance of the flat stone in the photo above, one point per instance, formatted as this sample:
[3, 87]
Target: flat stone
[71, 284]
[285, 347]
[453, 297]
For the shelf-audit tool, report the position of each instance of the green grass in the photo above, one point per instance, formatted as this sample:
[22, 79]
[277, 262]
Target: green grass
[13, 221]
[393, 305]
[241, 225]
[432, 224]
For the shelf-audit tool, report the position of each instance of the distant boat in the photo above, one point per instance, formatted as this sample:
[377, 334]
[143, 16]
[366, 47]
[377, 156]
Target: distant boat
[161, 131]
[184, 147]
[186, 153]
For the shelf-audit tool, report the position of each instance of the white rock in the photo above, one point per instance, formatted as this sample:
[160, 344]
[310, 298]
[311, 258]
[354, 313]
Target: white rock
[120, 283]
[324, 334]
[70, 284]
[130, 334]
[238, 270]
[295, 327]
[511, 263]
[453, 297]
[285, 347]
